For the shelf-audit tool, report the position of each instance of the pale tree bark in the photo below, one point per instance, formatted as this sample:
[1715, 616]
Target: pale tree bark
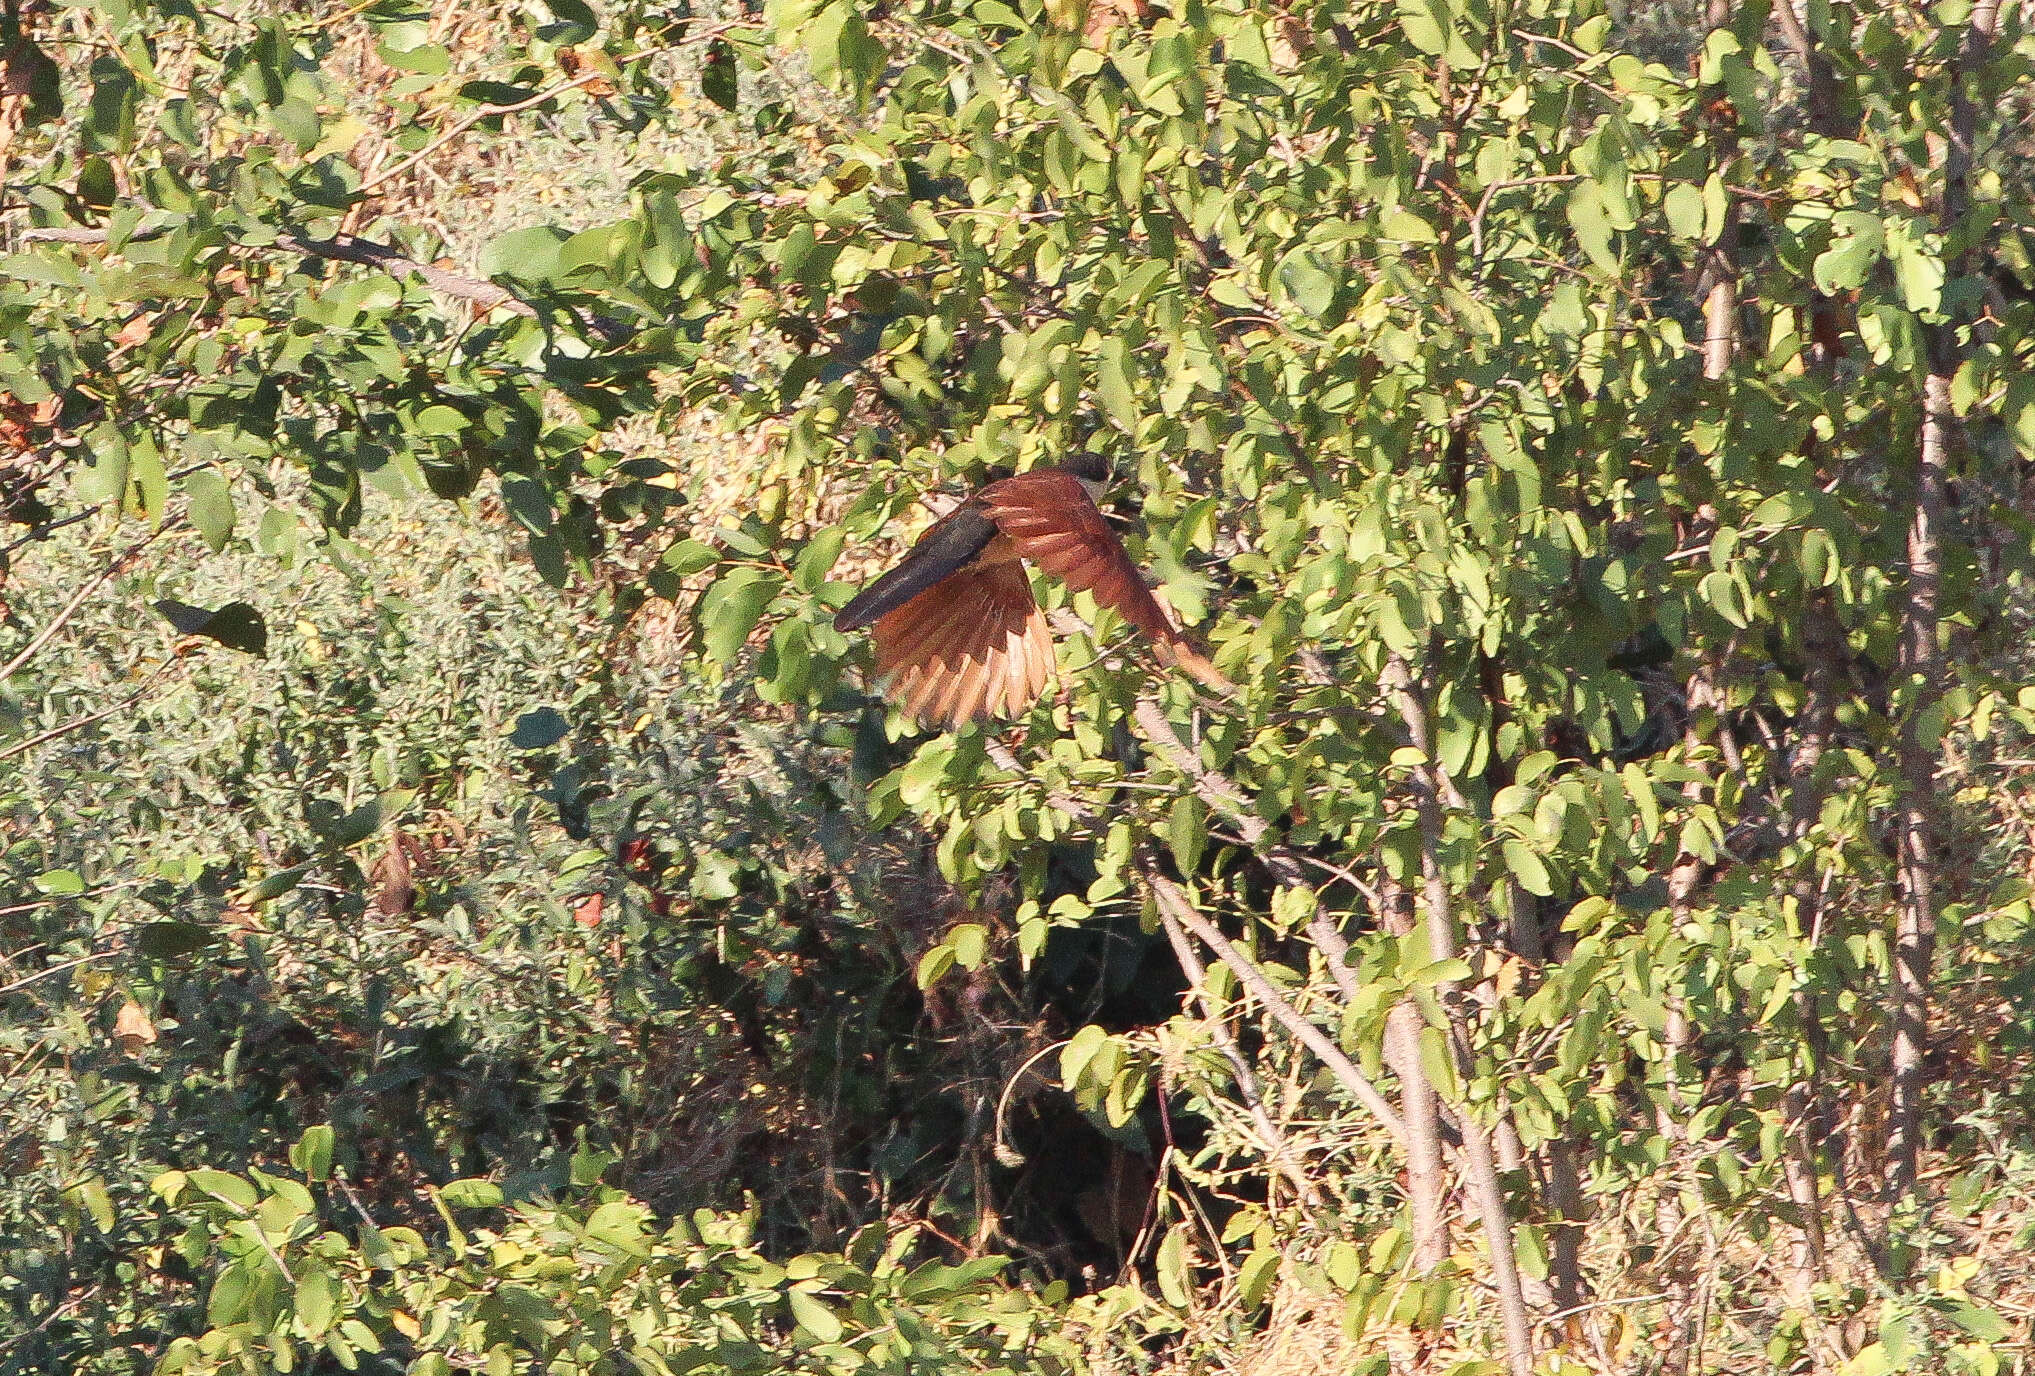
[1720, 306]
[1811, 1129]
[1426, 1183]
[1172, 899]
[1677, 1257]
[1277, 1148]
[1480, 1164]
[1915, 926]
[1812, 1124]
[1922, 657]
[1178, 910]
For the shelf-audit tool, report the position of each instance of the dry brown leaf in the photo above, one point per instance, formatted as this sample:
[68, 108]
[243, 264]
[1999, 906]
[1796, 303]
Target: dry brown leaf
[132, 1029]
[1106, 15]
[573, 64]
[135, 331]
[393, 875]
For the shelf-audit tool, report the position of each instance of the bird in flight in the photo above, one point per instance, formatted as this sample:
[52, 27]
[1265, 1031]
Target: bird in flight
[958, 636]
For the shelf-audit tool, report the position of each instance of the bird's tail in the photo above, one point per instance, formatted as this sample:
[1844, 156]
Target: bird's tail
[1185, 657]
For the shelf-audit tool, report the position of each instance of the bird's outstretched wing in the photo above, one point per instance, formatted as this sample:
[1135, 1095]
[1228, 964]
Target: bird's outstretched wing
[1049, 518]
[972, 645]
[958, 635]
[954, 541]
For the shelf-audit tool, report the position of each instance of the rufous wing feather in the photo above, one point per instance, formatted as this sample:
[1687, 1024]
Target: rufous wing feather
[973, 645]
[1050, 520]
[1047, 515]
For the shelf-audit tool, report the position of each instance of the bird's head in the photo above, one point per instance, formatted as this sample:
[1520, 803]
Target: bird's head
[1092, 470]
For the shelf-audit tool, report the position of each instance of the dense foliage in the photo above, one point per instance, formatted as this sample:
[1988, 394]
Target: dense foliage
[1593, 443]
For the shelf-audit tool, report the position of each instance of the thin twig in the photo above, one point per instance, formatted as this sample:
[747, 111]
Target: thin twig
[1240, 1067]
[49, 528]
[65, 728]
[1171, 897]
[1168, 895]
[490, 111]
[41, 975]
[1484, 203]
[70, 610]
[58, 1312]
[345, 248]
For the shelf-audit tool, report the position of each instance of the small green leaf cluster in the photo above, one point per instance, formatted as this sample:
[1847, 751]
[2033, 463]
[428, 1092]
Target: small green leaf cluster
[590, 1282]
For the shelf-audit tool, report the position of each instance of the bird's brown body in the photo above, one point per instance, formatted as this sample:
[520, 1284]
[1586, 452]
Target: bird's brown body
[958, 635]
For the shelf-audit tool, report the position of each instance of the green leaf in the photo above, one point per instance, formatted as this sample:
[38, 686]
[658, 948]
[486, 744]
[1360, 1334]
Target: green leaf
[223, 1186]
[471, 1194]
[1683, 206]
[733, 606]
[1856, 242]
[1254, 1280]
[1591, 224]
[312, 1154]
[716, 875]
[688, 557]
[60, 883]
[1405, 226]
[1982, 1323]
[719, 76]
[1430, 26]
[1722, 592]
[168, 940]
[1640, 789]
[1187, 832]
[1818, 559]
[1171, 1265]
[531, 254]
[1113, 383]
[1081, 1049]
[279, 883]
[813, 1315]
[1528, 868]
[934, 965]
[818, 558]
[1918, 269]
[211, 506]
[2017, 411]
[90, 1195]
[540, 728]
[970, 941]
[316, 1302]
[237, 625]
[1308, 283]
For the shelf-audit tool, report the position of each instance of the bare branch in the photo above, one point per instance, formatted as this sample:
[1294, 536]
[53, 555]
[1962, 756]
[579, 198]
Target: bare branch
[77, 723]
[345, 248]
[1172, 898]
[1480, 1167]
[1174, 905]
[1275, 1142]
[1922, 657]
[70, 609]
[492, 111]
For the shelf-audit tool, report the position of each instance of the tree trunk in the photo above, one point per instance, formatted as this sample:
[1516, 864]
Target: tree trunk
[1426, 1182]
[1922, 663]
[1922, 657]
[1480, 1165]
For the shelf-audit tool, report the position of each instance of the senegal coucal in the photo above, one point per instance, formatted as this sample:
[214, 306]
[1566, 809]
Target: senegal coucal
[958, 636]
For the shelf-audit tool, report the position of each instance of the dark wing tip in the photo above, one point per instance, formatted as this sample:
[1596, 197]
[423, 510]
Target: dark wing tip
[856, 614]
[951, 545]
